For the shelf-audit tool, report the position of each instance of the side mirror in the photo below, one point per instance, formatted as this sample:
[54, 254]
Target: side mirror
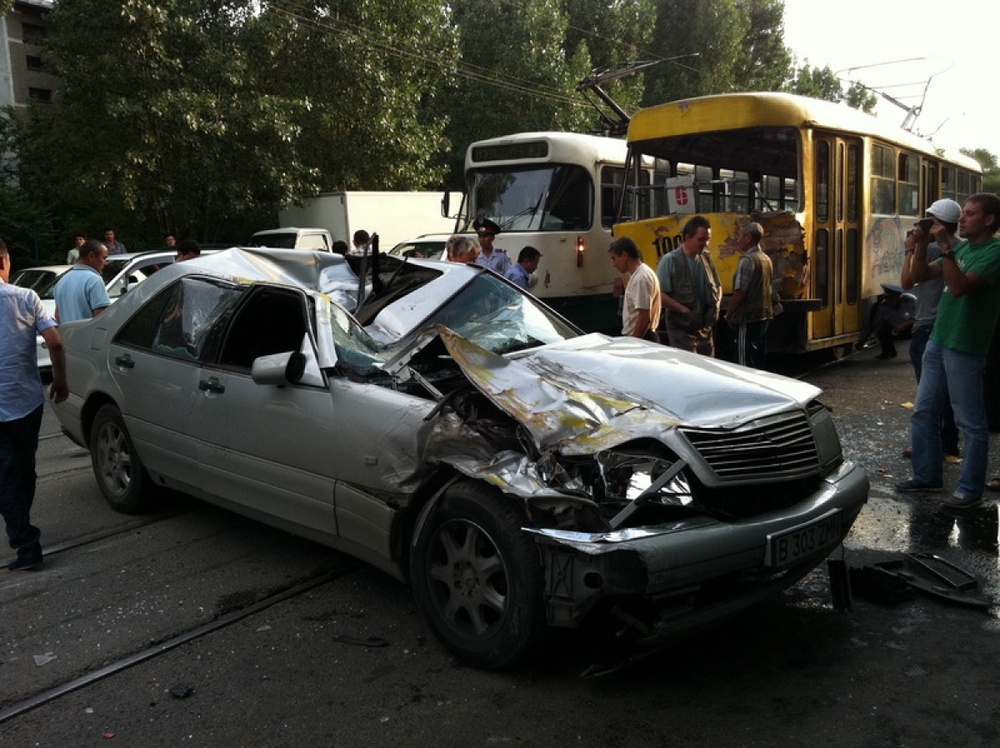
[278, 369]
[446, 204]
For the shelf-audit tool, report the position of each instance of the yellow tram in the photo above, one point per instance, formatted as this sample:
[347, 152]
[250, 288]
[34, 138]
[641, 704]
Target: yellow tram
[834, 188]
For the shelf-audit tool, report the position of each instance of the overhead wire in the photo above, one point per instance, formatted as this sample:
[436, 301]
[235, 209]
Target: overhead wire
[467, 70]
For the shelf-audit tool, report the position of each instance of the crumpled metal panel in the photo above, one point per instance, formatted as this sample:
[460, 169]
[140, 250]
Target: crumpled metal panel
[594, 392]
[451, 441]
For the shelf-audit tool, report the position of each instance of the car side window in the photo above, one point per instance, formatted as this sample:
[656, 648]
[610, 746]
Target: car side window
[177, 321]
[270, 321]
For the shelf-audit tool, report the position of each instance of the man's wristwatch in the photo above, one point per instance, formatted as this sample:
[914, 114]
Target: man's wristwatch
[948, 253]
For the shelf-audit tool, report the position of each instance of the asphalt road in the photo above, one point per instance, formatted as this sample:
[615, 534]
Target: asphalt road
[343, 659]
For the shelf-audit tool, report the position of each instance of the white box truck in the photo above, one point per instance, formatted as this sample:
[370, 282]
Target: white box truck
[394, 216]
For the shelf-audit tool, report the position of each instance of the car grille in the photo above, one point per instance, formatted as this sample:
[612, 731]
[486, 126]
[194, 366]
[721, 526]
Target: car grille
[775, 448]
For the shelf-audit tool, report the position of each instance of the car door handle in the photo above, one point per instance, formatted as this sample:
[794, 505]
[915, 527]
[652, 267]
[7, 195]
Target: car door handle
[124, 361]
[211, 385]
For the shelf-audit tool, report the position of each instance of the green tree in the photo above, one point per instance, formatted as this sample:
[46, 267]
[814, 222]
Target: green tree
[861, 97]
[204, 117]
[991, 169]
[818, 83]
[369, 73]
[611, 34]
[515, 73]
[822, 83]
[739, 47]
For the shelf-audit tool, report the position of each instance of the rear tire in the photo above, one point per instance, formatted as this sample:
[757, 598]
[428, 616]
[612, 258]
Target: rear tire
[477, 577]
[117, 466]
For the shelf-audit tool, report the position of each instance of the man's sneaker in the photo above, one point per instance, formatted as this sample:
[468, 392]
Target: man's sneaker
[912, 486]
[24, 564]
[960, 500]
[953, 459]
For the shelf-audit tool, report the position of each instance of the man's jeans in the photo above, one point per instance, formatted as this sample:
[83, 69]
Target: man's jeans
[948, 374]
[949, 431]
[18, 442]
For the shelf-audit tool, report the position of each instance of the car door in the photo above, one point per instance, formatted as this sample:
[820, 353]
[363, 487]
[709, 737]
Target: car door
[268, 449]
[155, 361]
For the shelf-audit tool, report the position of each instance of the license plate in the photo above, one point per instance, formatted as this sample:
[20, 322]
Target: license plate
[787, 547]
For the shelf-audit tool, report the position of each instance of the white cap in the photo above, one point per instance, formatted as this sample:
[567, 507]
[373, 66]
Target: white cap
[945, 210]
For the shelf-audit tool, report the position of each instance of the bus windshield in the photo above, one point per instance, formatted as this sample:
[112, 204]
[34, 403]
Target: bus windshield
[553, 197]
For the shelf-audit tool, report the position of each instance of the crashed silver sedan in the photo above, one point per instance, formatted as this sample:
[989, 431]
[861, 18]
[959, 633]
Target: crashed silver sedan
[455, 432]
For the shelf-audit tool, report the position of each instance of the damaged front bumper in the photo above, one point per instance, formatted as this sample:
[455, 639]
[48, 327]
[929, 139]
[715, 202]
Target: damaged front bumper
[668, 579]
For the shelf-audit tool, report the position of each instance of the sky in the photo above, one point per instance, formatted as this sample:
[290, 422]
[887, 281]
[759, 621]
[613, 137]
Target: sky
[962, 106]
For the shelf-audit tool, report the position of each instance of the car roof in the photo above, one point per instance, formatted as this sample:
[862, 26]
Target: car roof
[48, 268]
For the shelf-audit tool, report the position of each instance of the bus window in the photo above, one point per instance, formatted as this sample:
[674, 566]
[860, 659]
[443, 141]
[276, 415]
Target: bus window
[883, 181]
[822, 181]
[908, 185]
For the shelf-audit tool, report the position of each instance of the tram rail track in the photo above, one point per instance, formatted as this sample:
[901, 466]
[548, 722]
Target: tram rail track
[25, 705]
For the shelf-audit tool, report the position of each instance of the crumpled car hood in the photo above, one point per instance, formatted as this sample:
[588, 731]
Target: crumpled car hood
[594, 392]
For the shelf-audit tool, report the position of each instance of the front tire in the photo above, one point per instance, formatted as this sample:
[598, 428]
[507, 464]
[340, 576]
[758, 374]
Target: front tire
[117, 466]
[477, 577]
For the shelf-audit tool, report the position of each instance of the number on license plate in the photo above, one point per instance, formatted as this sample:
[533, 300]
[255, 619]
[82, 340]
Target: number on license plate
[787, 547]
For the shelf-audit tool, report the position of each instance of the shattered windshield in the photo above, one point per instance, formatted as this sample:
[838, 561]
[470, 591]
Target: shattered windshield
[543, 198]
[501, 318]
[355, 348]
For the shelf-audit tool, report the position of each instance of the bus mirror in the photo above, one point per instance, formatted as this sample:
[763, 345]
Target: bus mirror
[446, 204]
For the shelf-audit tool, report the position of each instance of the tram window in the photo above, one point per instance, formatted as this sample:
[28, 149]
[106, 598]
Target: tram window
[883, 186]
[853, 265]
[964, 186]
[948, 182]
[822, 266]
[909, 185]
[791, 201]
[822, 181]
[705, 199]
[612, 178]
[853, 182]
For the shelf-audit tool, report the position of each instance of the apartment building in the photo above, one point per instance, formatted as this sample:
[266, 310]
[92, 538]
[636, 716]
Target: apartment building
[23, 76]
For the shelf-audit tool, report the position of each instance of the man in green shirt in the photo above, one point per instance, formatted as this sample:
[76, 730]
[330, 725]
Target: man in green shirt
[955, 358]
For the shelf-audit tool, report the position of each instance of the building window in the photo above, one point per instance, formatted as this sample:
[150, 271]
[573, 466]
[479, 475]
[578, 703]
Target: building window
[43, 95]
[34, 62]
[32, 33]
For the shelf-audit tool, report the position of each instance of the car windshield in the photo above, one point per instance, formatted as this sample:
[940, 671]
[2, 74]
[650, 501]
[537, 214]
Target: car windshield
[501, 317]
[112, 267]
[489, 312]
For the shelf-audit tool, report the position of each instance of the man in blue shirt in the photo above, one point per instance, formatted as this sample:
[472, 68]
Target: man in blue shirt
[527, 263]
[22, 318]
[81, 292]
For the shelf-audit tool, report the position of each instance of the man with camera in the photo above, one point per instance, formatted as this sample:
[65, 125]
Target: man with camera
[928, 294]
[955, 357]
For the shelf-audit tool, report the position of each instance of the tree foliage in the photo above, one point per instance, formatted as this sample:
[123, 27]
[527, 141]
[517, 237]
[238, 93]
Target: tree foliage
[723, 46]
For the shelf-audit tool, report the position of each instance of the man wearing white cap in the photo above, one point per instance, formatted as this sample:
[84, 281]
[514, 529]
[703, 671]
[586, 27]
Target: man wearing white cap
[928, 294]
[955, 358]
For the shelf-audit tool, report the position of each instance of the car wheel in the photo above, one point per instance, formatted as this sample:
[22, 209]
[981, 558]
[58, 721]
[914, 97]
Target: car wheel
[117, 467]
[477, 577]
